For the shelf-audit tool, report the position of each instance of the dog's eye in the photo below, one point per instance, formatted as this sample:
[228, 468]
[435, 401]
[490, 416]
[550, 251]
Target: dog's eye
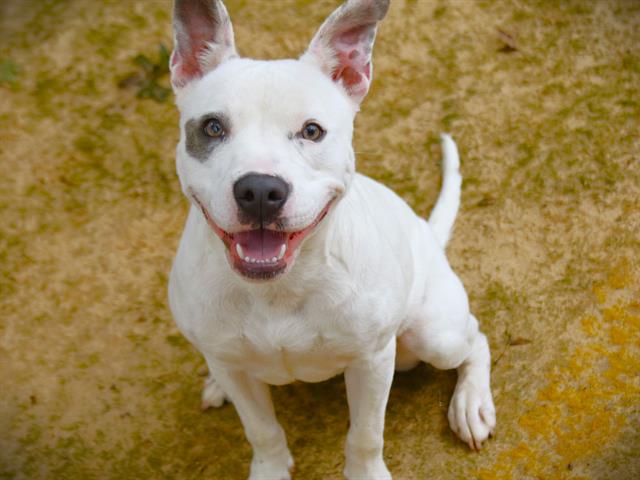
[312, 131]
[213, 128]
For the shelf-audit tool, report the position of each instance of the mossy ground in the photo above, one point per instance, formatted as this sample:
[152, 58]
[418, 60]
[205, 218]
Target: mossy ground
[543, 99]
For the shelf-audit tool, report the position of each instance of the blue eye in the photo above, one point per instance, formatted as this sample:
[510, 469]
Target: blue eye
[213, 128]
[312, 131]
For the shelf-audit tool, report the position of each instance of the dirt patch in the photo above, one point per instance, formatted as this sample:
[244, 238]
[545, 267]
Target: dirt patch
[543, 99]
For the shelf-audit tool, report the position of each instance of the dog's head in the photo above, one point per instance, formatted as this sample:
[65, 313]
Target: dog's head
[265, 146]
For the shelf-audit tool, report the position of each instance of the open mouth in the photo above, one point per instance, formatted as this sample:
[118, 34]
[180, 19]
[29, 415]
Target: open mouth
[262, 253]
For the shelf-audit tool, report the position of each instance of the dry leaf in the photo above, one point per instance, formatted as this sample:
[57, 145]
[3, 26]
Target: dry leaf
[508, 40]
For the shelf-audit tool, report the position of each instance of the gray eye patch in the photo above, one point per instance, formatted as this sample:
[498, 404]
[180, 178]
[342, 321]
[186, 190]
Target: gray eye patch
[198, 144]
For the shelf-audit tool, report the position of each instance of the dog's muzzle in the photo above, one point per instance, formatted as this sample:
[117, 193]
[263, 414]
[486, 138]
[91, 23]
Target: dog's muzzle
[263, 253]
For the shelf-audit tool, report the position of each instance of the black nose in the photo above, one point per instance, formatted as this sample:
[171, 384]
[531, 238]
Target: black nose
[260, 197]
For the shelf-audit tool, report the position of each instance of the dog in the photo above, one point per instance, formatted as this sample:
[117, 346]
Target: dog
[292, 266]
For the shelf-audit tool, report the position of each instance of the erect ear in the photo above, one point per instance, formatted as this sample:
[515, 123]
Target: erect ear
[343, 45]
[203, 38]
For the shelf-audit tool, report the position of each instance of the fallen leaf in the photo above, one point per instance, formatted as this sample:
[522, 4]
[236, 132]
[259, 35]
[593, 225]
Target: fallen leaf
[508, 40]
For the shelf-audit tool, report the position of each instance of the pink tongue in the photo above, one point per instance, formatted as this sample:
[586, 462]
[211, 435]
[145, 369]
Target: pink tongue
[261, 244]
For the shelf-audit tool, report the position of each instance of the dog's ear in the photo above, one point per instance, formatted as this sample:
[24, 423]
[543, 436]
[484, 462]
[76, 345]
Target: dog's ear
[203, 38]
[343, 45]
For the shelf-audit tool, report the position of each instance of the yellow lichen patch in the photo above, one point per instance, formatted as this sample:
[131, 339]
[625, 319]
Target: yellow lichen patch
[579, 411]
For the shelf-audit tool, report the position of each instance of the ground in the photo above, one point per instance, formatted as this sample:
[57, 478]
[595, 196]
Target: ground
[543, 99]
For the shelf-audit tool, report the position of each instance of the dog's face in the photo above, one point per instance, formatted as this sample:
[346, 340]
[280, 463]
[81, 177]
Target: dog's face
[265, 148]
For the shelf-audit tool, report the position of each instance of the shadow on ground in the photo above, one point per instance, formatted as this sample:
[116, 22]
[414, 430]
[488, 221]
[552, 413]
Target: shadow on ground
[543, 99]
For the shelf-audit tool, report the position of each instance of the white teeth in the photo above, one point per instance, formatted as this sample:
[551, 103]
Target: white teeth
[283, 250]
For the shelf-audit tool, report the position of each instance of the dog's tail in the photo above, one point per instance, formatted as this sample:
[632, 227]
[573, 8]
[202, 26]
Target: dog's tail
[444, 213]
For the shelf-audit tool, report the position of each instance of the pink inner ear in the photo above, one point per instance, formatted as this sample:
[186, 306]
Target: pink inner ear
[198, 28]
[190, 51]
[187, 67]
[353, 49]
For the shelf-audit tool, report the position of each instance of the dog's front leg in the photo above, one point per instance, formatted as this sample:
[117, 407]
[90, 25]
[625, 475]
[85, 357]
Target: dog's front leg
[368, 383]
[252, 399]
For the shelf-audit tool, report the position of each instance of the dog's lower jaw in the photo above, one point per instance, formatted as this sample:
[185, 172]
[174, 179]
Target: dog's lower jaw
[258, 274]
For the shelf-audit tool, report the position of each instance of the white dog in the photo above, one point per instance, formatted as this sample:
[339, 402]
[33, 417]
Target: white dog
[291, 265]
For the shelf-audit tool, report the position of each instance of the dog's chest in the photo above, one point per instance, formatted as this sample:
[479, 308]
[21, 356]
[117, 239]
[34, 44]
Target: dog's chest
[283, 351]
[310, 343]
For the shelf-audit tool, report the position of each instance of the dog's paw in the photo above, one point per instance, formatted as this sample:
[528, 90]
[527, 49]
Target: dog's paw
[374, 470]
[472, 415]
[359, 467]
[212, 394]
[272, 469]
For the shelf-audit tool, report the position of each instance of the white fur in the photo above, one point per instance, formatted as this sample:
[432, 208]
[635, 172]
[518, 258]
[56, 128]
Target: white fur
[370, 290]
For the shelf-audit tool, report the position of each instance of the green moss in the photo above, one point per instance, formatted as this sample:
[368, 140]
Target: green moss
[9, 73]
[107, 39]
[151, 79]
[439, 11]
[44, 93]
[176, 341]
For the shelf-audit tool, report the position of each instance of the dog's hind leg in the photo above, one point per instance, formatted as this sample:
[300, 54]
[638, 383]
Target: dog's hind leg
[445, 334]
[472, 414]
